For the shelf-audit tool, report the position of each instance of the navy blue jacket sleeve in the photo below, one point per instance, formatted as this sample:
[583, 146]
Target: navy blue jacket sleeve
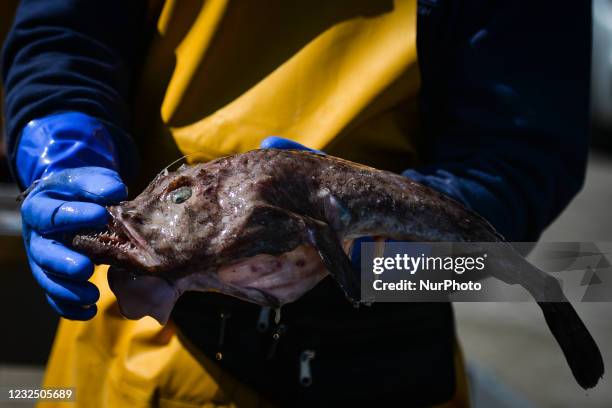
[72, 55]
[505, 102]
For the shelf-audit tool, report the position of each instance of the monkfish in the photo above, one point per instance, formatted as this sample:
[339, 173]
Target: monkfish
[267, 225]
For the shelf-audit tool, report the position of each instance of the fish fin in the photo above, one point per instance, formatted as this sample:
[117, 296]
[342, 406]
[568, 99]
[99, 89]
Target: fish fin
[325, 240]
[579, 347]
[336, 213]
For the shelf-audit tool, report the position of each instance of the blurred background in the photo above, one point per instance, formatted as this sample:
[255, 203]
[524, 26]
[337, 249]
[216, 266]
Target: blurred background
[513, 359]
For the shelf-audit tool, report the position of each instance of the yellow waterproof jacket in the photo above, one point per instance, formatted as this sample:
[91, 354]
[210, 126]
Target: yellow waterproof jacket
[219, 77]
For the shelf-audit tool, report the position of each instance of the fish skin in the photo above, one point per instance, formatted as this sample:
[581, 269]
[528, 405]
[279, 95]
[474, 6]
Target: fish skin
[246, 207]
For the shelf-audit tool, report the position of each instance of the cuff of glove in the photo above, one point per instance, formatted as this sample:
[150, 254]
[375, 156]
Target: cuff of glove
[60, 141]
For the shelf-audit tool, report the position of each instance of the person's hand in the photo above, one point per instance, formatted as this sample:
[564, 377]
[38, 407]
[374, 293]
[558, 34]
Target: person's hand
[275, 142]
[59, 206]
[65, 196]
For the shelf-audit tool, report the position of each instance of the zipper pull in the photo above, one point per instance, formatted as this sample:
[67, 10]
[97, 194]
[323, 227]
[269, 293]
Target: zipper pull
[224, 315]
[280, 330]
[305, 374]
[264, 319]
[277, 315]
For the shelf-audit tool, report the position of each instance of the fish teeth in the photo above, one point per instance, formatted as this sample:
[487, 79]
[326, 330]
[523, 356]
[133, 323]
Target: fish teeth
[110, 239]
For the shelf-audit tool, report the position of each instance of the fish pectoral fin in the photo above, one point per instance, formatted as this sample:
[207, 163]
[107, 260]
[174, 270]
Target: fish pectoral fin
[337, 215]
[325, 240]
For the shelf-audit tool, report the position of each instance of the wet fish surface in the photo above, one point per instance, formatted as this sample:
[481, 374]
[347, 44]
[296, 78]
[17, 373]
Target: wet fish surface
[267, 225]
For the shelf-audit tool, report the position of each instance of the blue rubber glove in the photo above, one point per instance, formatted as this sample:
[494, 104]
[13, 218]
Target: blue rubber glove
[70, 163]
[275, 142]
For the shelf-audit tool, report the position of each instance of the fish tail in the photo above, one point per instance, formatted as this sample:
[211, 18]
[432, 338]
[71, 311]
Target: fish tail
[577, 344]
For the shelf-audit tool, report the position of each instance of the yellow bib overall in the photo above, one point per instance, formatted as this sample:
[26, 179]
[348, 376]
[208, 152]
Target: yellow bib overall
[218, 78]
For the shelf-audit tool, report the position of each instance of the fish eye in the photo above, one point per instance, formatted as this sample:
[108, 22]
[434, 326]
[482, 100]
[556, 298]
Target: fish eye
[180, 195]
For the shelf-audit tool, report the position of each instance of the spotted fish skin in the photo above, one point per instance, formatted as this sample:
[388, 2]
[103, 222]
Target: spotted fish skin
[267, 225]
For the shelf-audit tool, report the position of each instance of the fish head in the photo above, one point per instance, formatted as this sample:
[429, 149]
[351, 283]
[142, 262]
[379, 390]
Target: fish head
[171, 239]
[154, 240]
[165, 228]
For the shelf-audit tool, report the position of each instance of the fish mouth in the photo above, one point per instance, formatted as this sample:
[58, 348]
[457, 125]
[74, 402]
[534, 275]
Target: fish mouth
[118, 244]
